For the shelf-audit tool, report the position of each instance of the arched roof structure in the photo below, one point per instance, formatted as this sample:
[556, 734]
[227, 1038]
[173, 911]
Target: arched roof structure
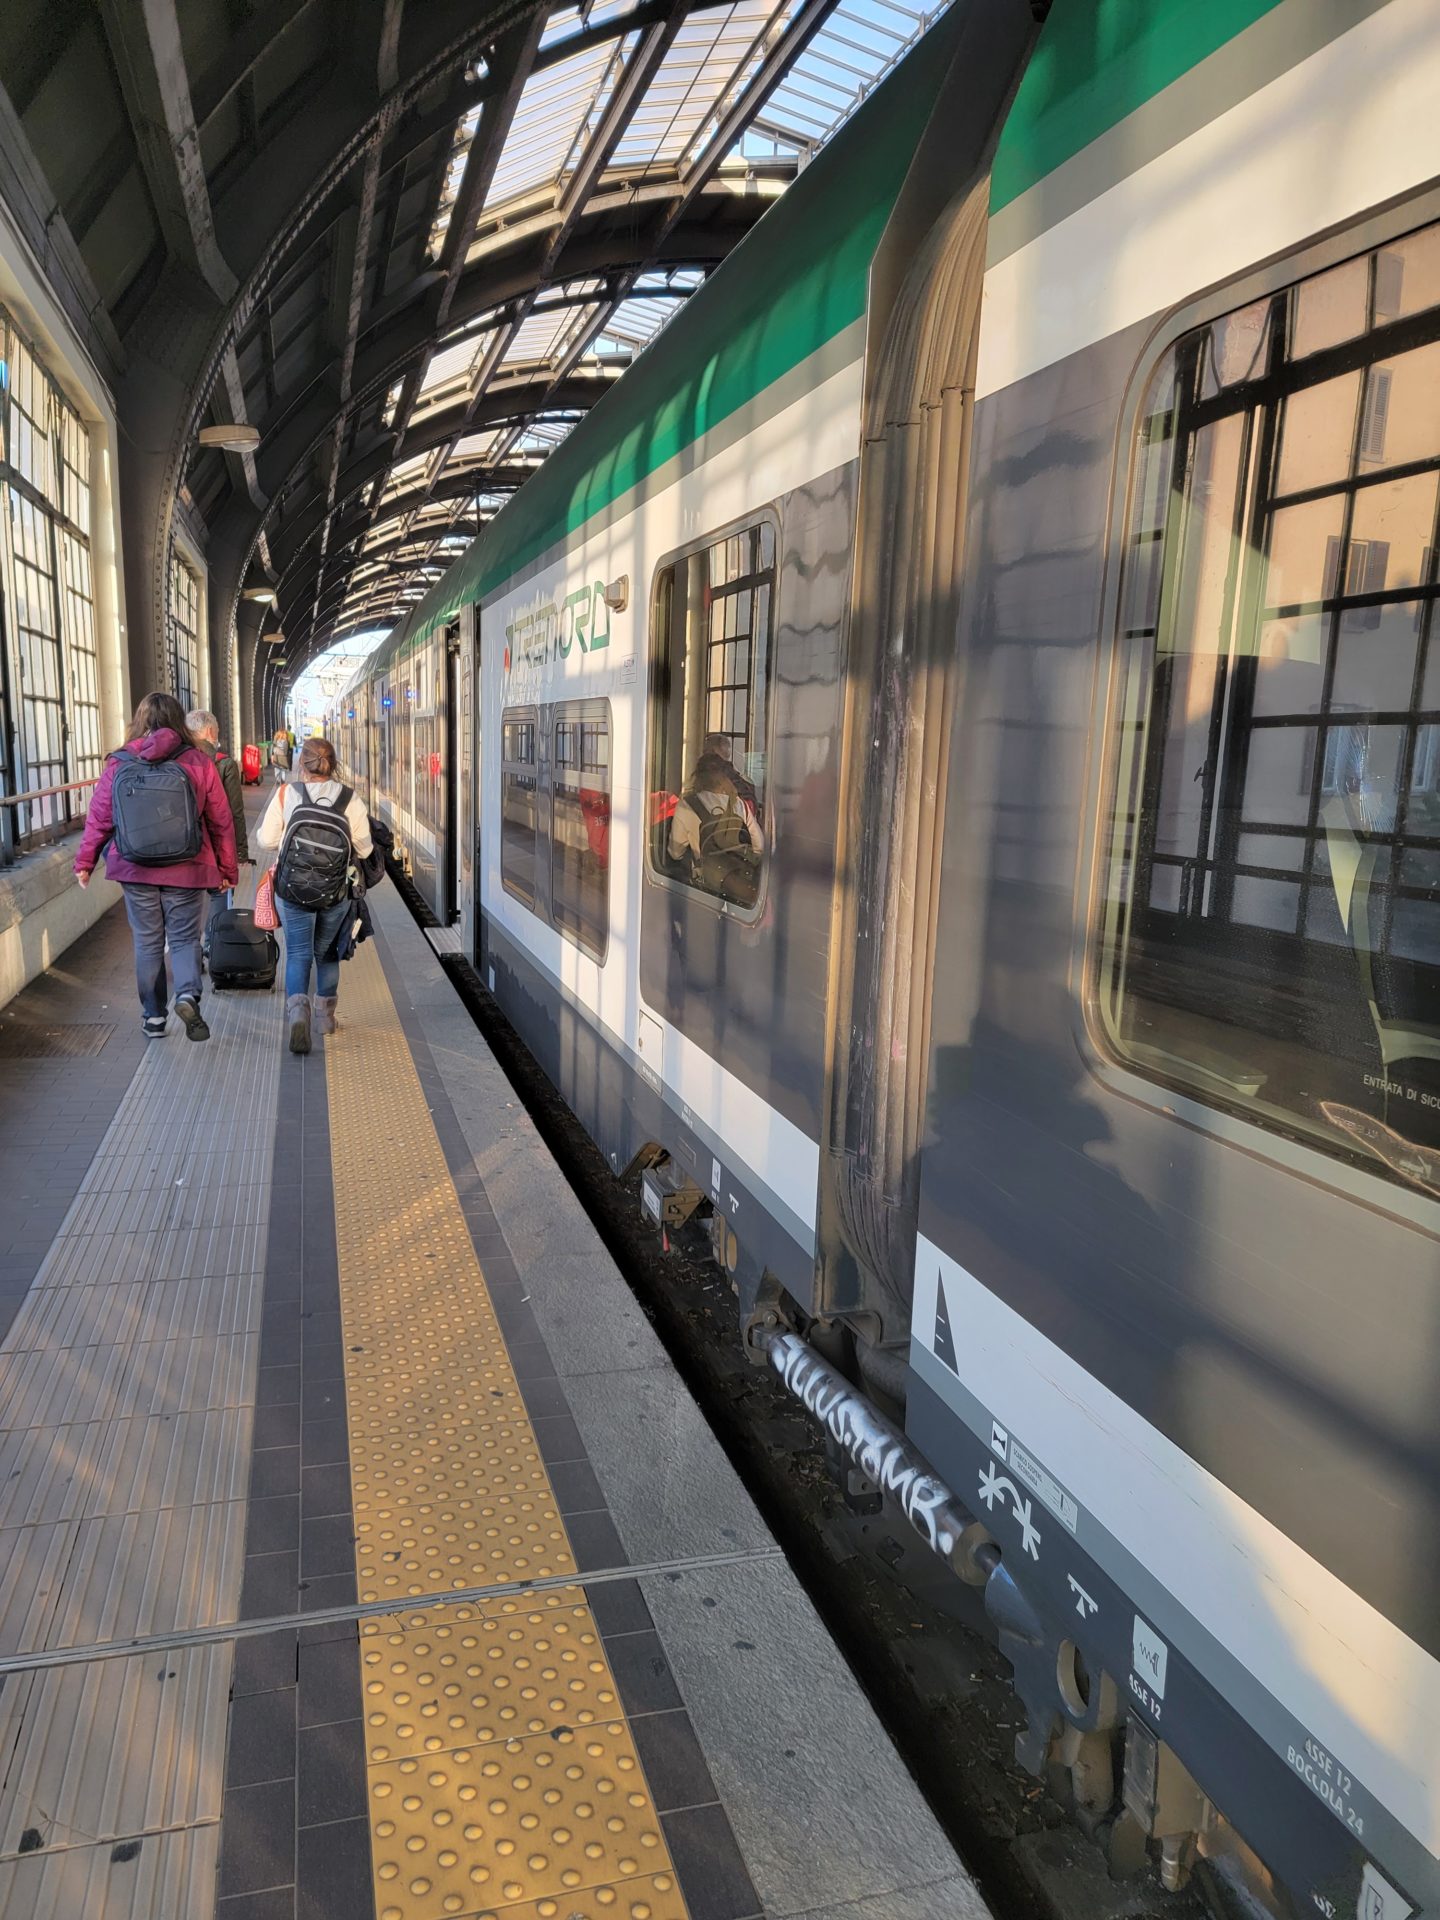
[408, 242]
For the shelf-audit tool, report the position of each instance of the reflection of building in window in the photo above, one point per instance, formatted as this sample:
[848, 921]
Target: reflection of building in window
[52, 671]
[555, 816]
[519, 809]
[580, 823]
[184, 622]
[713, 622]
[1274, 918]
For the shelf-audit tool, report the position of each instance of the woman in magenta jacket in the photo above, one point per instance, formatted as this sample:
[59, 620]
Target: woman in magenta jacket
[165, 903]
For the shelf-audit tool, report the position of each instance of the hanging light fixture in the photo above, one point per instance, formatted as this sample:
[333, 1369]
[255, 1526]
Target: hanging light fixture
[230, 438]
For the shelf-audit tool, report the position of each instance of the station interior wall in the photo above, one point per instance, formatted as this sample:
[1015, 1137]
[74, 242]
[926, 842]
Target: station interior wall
[42, 910]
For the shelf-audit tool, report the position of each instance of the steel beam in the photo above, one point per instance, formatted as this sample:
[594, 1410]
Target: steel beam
[144, 37]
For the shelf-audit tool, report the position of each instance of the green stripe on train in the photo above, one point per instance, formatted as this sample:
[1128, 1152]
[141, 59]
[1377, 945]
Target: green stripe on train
[1096, 62]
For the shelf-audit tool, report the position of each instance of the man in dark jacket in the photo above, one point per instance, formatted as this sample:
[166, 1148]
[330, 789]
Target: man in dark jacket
[205, 732]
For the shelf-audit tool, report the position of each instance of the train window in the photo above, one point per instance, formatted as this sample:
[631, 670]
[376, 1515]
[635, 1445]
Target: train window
[712, 620]
[519, 801]
[1270, 935]
[580, 823]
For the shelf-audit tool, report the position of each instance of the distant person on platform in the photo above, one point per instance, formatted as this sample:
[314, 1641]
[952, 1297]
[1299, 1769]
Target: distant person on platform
[280, 755]
[313, 880]
[205, 732]
[161, 815]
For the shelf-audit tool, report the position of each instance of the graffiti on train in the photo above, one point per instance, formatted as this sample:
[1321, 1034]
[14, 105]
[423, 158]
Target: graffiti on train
[880, 1450]
[544, 633]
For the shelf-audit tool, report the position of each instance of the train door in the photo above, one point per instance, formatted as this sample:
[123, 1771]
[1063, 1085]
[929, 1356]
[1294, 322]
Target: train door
[466, 707]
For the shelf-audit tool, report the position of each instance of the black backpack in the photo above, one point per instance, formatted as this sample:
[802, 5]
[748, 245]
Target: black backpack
[313, 871]
[728, 863]
[157, 823]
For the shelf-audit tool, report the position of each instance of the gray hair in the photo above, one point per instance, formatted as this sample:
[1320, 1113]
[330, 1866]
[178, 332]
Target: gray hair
[198, 721]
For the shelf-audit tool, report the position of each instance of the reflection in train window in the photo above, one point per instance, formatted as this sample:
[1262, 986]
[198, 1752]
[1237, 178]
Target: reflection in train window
[519, 809]
[580, 823]
[713, 615]
[1271, 919]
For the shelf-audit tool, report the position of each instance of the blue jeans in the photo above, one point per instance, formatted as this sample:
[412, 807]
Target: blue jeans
[158, 914]
[307, 936]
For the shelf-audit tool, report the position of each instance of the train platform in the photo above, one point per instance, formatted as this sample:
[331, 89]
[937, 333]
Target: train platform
[361, 1553]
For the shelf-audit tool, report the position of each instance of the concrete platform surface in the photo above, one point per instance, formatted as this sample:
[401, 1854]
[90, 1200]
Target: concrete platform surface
[312, 1368]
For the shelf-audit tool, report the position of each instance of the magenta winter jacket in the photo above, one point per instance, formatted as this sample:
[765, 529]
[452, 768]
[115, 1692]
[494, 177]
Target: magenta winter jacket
[214, 866]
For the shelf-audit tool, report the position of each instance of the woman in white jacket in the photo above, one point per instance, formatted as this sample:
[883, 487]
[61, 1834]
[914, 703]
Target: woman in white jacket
[310, 937]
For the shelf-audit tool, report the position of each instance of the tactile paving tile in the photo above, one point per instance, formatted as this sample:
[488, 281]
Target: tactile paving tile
[459, 1684]
[68, 1734]
[458, 1542]
[162, 1876]
[502, 1778]
[126, 1413]
[510, 1821]
[136, 1312]
[656, 1898]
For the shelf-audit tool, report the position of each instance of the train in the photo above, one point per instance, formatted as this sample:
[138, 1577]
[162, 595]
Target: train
[942, 769]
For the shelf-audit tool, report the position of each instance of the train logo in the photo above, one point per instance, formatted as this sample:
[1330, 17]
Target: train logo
[547, 631]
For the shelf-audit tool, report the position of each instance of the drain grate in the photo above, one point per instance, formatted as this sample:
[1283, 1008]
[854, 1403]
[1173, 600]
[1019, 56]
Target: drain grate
[19, 1040]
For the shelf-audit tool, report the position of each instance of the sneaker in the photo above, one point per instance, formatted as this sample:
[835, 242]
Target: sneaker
[195, 1027]
[154, 1025]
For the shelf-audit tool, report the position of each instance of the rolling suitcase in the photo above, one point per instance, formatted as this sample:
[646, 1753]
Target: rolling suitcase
[241, 954]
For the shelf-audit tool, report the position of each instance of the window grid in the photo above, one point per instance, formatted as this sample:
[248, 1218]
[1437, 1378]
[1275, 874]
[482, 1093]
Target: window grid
[49, 680]
[580, 825]
[738, 595]
[519, 803]
[1352, 596]
[712, 612]
[37, 636]
[83, 658]
[1271, 927]
[184, 620]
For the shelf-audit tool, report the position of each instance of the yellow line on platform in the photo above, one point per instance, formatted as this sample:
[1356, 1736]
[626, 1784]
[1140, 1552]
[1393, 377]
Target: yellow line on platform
[503, 1780]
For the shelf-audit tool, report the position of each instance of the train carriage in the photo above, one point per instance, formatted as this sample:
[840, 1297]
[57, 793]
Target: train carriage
[944, 763]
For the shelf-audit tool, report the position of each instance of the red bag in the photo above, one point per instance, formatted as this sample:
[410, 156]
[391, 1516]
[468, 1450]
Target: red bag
[266, 916]
[250, 765]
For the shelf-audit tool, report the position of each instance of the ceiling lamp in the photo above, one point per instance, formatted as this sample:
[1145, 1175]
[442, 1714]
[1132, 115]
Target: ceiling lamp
[264, 596]
[231, 439]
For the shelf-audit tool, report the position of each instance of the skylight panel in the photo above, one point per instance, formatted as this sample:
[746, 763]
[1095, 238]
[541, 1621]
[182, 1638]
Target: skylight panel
[554, 106]
[700, 69]
[543, 339]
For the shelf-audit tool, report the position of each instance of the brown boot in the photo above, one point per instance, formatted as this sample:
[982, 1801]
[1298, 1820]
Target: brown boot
[324, 1005]
[297, 1012]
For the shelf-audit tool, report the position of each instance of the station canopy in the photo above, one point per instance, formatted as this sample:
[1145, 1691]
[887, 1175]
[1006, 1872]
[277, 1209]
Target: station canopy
[430, 235]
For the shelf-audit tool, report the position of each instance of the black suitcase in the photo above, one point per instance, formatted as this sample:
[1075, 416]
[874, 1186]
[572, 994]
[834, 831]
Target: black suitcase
[241, 954]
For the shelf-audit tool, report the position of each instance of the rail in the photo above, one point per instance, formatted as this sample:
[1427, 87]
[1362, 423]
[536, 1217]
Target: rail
[44, 793]
[50, 825]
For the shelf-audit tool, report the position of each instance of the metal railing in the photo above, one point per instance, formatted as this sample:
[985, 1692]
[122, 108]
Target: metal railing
[9, 801]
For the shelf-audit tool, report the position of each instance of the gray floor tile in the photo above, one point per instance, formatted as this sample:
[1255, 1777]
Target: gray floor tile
[772, 1703]
[669, 1487]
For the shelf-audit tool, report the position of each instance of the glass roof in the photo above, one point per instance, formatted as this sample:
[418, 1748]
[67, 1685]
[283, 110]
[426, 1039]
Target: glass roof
[743, 70]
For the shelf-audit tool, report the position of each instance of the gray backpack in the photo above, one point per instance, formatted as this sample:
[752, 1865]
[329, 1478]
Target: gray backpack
[157, 823]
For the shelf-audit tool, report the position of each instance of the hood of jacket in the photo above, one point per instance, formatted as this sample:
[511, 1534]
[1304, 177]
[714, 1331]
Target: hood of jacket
[163, 744]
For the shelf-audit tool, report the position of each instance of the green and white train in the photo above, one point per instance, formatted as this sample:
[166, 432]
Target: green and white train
[1027, 544]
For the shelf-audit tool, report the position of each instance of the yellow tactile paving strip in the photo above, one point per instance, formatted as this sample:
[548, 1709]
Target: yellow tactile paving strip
[503, 1780]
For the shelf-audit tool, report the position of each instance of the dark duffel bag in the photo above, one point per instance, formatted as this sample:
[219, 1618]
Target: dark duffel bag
[241, 954]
